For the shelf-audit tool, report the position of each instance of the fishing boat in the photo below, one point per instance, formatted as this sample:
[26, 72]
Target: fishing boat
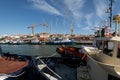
[104, 56]
[13, 66]
[63, 41]
[35, 41]
[75, 54]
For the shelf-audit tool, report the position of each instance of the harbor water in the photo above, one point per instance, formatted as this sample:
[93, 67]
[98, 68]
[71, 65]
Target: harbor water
[31, 50]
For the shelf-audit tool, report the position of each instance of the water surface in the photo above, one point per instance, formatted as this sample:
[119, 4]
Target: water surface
[32, 50]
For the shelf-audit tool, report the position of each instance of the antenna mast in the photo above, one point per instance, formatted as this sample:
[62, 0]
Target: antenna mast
[109, 10]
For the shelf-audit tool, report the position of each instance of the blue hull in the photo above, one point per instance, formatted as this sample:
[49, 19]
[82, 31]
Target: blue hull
[61, 43]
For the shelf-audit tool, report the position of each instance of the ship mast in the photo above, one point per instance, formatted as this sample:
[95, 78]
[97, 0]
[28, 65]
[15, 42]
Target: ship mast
[109, 10]
[50, 27]
[71, 29]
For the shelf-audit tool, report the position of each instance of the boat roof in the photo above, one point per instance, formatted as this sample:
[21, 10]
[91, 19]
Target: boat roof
[116, 38]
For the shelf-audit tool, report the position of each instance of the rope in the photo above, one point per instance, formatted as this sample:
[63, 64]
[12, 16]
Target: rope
[50, 69]
[53, 55]
[46, 56]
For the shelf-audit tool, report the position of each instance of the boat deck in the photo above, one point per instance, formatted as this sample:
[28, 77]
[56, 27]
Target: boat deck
[9, 66]
[66, 72]
[83, 73]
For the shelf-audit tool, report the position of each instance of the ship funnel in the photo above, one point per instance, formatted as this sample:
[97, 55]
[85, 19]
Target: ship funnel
[116, 20]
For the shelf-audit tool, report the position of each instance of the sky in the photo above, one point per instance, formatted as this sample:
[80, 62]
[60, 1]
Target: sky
[84, 15]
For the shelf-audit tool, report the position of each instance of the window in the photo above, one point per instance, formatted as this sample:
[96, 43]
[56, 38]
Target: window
[108, 47]
[99, 44]
[118, 54]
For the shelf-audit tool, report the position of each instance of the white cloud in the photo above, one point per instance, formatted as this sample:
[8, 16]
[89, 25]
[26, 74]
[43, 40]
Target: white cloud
[75, 7]
[43, 5]
[87, 28]
[100, 6]
[74, 10]
[89, 22]
[89, 19]
[96, 18]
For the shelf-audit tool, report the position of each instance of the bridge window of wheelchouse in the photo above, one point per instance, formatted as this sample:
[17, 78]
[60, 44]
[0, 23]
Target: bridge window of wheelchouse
[108, 47]
[118, 52]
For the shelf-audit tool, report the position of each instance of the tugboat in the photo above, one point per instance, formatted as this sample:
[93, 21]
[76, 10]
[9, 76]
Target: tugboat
[104, 57]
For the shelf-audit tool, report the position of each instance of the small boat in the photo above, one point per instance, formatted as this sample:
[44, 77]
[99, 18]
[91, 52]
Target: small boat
[16, 42]
[35, 41]
[73, 53]
[54, 68]
[13, 66]
[46, 71]
[104, 56]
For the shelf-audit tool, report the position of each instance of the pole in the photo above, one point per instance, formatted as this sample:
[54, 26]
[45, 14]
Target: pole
[110, 11]
[33, 30]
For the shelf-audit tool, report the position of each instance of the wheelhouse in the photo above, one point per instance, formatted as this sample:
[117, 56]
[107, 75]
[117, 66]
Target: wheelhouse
[109, 46]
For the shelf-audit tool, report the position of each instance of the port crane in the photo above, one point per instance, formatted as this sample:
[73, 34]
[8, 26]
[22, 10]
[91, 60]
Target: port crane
[33, 26]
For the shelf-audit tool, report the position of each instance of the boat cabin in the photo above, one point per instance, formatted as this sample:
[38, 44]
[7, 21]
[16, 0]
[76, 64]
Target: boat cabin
[104, 56]
[109, 46]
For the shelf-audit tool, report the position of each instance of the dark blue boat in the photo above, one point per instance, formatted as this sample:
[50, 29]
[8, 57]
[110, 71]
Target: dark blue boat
[64, 41]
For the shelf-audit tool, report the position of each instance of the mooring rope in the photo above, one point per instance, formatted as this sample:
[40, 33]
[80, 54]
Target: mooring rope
[53, 54]
[47, 56]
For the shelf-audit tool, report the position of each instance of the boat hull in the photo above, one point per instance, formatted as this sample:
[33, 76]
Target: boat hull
[60, 43]
[100, 65]
[14, 66]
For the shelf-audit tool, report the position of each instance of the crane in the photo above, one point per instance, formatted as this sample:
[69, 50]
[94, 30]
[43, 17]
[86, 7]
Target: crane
[33, 26]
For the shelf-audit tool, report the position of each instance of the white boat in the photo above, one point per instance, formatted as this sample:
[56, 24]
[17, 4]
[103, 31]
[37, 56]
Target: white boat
[46, 71]
[104, 57]
[54, 68]
[35, 41]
